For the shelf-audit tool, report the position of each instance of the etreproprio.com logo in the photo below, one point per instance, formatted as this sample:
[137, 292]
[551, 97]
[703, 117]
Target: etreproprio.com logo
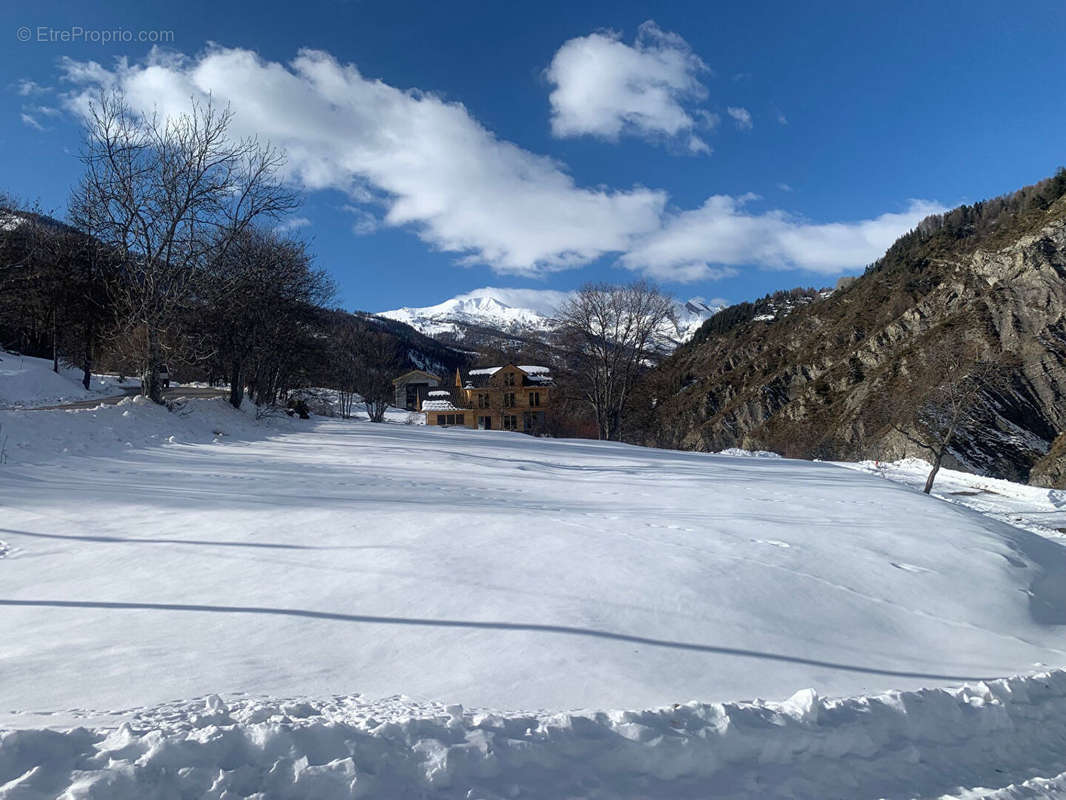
[76, 34]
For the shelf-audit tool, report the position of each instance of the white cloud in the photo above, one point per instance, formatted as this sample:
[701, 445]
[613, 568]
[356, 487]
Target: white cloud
[722, 235]
[31, 115]
[409, 158]
[26, 87]
[741, 116]
[435, 167]
[365, 222]
[784, 187]
[292, 224]
[606, 88]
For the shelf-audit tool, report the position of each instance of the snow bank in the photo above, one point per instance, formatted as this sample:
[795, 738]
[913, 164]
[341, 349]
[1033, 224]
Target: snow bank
[738, 452]
[132, 423]
[897, 744]
[26, 382]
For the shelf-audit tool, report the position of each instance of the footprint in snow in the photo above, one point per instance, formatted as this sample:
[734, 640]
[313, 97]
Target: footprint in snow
[773, 543]
[5, 549]
[908, 567]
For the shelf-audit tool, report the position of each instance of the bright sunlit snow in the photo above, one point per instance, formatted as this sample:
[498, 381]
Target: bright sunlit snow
[484, 568]
[351, 599]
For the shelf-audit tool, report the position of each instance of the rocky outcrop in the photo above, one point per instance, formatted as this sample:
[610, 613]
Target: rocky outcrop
[1050, 471]
[838, 378]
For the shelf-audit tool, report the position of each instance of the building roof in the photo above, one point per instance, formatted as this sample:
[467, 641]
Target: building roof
[439, 393]
[532, 375]
[529, 369]
[415, 372]
[439, 405]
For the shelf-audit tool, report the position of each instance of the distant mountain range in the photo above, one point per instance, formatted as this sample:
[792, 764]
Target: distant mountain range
[517, 313]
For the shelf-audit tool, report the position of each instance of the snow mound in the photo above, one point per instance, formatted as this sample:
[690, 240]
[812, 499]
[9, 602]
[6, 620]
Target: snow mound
[898, 744]
[133, 422]
[26, 382]
[738, 452]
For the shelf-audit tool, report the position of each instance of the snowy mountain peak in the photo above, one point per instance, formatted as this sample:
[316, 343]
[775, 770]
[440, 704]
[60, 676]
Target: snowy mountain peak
[692, 313]
[697, 305]
[508, 310]
[522, 311]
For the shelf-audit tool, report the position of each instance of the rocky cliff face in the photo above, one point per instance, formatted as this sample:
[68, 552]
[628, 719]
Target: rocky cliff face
[837, 378]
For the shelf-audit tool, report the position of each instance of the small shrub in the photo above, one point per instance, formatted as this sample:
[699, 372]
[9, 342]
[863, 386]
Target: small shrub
[299, 407]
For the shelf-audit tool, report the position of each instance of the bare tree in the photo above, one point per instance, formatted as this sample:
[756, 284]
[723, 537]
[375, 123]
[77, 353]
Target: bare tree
[954, 404]
[54, 284]
[30, 286]
[363, 362]
[612, 334]
[169, 195]
[254, 297]
[345, 363]
[380, 358]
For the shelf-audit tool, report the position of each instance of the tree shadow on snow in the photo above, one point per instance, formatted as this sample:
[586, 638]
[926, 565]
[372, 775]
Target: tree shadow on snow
[489, 625]
[195, 542]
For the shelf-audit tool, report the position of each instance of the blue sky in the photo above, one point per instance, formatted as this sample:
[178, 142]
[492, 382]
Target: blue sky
[722, 150]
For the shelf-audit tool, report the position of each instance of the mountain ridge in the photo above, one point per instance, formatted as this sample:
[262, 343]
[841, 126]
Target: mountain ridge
[485, 310]
[839, 377]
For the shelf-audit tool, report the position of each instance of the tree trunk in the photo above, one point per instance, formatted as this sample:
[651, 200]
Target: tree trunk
[151, 386]
[87, 362]
[236, 385]
[55, 344]
[932, 473]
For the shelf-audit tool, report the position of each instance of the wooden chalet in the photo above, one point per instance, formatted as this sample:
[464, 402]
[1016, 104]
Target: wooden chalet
[510, 398]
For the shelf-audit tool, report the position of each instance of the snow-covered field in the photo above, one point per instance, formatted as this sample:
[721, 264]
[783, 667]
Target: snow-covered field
[348, 601]
[1033, 508]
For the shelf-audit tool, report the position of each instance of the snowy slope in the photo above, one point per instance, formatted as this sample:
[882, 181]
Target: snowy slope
[481, 307]
[500, 309]
[28, 382]
[691, 314]
[484, 568]
[317, 560]
[1032, 508]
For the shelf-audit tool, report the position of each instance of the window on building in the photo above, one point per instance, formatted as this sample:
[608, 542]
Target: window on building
[460, 419]
[510, 422]
[508, 400]
[534, 398]
[482, 400]
[508, 379]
